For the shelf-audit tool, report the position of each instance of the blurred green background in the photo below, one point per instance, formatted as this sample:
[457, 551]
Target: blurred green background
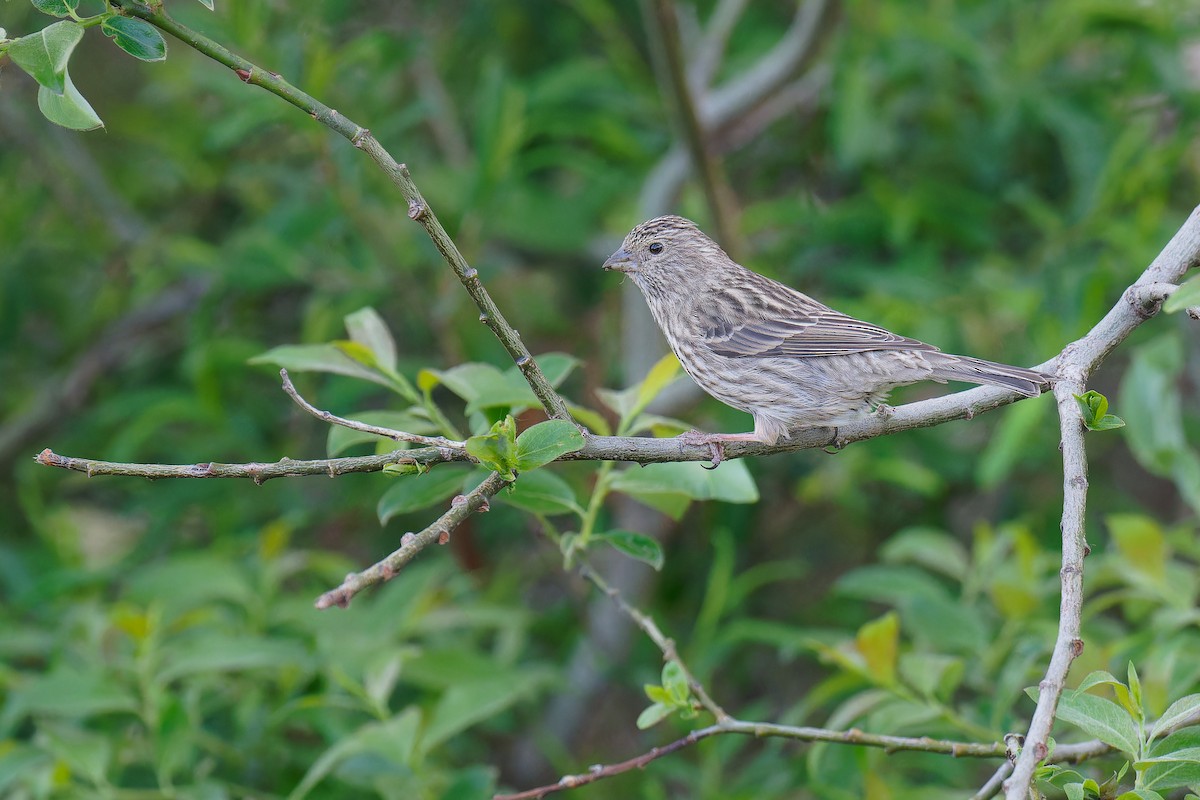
[987, 175]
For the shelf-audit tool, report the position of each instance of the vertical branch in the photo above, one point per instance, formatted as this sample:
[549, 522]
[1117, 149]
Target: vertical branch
[1068, 645]
[717, 193]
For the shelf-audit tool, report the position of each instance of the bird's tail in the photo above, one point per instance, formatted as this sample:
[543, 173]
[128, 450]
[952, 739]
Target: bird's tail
[1028, 382]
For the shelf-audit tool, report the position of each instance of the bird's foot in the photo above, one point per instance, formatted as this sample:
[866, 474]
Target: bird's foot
[836, 443]
[883, 411]
[714, 442]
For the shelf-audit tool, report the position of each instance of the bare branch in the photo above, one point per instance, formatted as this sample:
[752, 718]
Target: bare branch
[651, 629]
[461, 507]
[891, 744]
[711, 51]
[256, 471]
[355, 425]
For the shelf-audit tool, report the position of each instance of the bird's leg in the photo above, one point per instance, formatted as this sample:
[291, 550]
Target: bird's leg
[716, 442]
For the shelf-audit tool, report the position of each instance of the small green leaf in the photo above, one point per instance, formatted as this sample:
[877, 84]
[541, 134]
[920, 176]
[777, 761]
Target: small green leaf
[68, 109]
[545, 442]
[1188, 294]
[44, 55]
[405, 469]
[1135, 695]
[653, 715]
[419, 491]
[1093, 407]
[137, 37]
[674, 681]
[496, 449]
[634, 545]
[669, 487]
[56, 8]
[318, 358]
[542, 492]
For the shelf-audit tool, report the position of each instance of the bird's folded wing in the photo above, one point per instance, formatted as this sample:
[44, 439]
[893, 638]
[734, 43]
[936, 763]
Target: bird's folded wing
[812, 333]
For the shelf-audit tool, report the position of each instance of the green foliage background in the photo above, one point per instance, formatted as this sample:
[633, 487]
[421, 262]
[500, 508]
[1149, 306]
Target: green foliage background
[982, 174]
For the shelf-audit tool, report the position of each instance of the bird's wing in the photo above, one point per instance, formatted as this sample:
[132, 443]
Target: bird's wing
[794, 327]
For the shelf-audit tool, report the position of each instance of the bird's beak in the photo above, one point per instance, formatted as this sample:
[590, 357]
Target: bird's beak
[621, 261]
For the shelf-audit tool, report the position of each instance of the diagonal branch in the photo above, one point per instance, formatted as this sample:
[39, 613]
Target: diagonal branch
[461, 507]
[360, 137]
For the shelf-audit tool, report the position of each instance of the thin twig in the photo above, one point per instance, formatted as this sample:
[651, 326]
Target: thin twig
[360, 137]
[259, 472]
[412, 543]
[664, 643]
[891, 744]
[994, 783]
[362, 427]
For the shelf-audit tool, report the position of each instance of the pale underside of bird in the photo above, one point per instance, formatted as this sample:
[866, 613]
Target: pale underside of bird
[765, 348]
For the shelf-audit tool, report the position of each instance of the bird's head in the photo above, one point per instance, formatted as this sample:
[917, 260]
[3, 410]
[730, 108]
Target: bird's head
[665, 251]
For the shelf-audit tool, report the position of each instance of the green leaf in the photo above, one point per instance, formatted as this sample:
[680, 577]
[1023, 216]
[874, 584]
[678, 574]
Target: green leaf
[1140, 794]
[464, 704]
[1141, 543]
[44, 55]
[484, 386]
[652, 715]
[878, 643]
[392, 740]
[1171, 770]
[1135, 694]
[1101, 718]
[420, 491]
[634, 545]
[1188, 294]
[137, 37]
[542, 492]
[660, 376]
[69, 109]
[669, 487]
[545, 442]
[674, 681]
[1182, 709]
[220, 652]
[367, 328]
[496, 449]
[1093, 407]
[318, 358]
[57, 8]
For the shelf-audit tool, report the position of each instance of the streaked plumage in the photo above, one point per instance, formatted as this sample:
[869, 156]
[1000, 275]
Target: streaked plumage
[765, 348]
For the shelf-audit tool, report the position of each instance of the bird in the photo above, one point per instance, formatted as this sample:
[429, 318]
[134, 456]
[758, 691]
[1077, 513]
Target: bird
[767, 349]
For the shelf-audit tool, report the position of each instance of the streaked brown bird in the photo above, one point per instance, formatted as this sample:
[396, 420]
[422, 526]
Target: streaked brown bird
[772, 351]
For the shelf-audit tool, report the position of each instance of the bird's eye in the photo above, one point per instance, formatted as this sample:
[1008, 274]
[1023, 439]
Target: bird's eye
[656, 247]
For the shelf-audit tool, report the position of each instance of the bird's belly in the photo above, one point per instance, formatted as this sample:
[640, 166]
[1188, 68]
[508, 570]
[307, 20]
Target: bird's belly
[806, 392]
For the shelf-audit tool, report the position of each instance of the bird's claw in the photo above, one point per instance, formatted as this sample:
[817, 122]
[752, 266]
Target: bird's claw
[715, 448]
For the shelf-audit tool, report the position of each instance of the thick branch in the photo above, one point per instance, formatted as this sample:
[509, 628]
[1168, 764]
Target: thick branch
[461, 507]
[361, 138]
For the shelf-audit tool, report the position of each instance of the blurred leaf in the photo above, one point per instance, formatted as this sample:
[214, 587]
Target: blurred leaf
[218, 652]
[392, 739]
[1188, 294]
[136, 37]
[878, 643]
[545, 442]
[730, 482]
[934, 676]
[368, 329]
[1141, 543]
[416, 492]
[542, 492]
[465, 704]
[44, 55]
[931, 548]
[652, 715]
[69, 693]
[1009, 443]
[1101, 718]
[1150, 396]
[634, 545]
